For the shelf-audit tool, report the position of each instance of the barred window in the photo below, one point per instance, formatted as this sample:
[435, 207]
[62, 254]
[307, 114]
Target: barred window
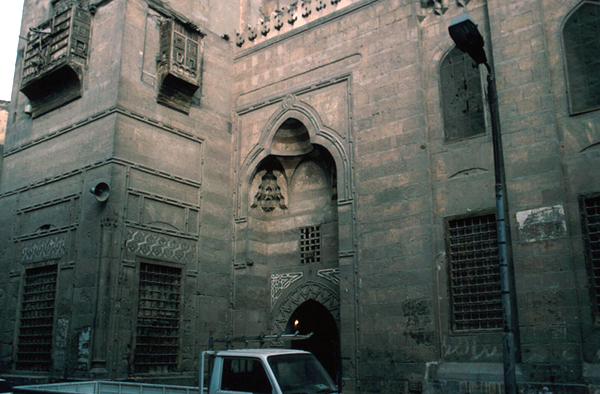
[590, 220]
[474, 273]
[310, 244]
[582, 56]
[34, 348]
[462, 98]
[157, 339]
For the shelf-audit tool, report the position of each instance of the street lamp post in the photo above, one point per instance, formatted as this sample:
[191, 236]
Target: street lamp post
[467, 38]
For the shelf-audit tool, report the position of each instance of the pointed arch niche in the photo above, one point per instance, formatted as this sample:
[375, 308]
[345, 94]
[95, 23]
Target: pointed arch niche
[292, 218]
[294, 213]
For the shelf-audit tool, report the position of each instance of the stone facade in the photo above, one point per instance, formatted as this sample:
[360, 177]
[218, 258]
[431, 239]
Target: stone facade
[3, 121]
[264, 166]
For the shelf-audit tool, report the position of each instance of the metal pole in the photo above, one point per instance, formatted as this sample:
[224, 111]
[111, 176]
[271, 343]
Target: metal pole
[504, 251]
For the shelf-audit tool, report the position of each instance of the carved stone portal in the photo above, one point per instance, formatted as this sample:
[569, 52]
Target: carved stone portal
[178, 65]
[308, 291]
[54, 59]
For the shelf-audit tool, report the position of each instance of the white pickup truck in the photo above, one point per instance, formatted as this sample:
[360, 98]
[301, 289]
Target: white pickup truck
[265, 371]
[244, 371]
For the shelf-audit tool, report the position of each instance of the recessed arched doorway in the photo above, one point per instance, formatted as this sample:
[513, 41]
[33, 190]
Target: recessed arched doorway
[312, 317]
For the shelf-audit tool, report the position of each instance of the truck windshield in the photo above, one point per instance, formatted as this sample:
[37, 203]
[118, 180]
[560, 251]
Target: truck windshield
[301, 374]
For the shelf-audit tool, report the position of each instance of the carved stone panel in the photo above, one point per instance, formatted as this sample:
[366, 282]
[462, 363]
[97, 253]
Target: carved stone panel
[46, 248]
[330, 274]
[54, 59]
[159, 246]
[280, 282]
[178, 65]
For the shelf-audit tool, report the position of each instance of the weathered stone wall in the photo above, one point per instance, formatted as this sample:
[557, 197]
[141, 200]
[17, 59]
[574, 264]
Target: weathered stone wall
[3, 122]
[409, 181]
[363, 79]
[165, 205]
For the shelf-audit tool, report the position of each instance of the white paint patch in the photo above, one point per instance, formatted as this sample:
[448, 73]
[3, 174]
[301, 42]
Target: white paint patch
[542, 224]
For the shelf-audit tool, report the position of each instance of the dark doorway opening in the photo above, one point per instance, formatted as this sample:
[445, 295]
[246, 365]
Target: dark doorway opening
[313, 317]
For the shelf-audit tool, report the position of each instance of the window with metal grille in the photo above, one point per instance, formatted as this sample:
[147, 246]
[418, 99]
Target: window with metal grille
[590, 221]
[474, 273]
[310, 244]
[462, 98]
[582, 57]
[34, 348]
[157, 339]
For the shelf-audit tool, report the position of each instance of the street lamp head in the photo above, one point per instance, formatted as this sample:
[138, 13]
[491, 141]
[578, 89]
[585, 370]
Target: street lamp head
[467, 37]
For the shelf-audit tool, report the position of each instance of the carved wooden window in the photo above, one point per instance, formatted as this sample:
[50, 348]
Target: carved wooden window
[462, 97]
[472, 248]
[590, 221]
[582, 55]
[54, 59]
[34, 349]
[157, 335]
[178, 66]
[62, 5]
[310, 244]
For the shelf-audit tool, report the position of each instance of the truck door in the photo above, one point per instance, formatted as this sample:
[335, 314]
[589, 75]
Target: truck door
[244, 375]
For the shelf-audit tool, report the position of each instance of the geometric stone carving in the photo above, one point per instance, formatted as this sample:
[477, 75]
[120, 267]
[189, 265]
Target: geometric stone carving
[439, 7]
[44, 249]
[251, 32]
[291, 10]
[269, 195]
[240, 38]
[275, 17]
[265, 26]
[280, 282]
[306, 8]
[54, 59]
[159, 246]
[178, 65]
[278, 19]
[331, 274]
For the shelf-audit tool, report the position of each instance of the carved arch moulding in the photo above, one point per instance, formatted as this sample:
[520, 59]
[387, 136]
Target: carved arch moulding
[315, 291]
[293, 108]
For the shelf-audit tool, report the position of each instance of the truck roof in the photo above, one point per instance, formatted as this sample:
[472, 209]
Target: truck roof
[261, 353]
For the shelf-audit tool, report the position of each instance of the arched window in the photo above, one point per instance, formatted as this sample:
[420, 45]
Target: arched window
[581, 40]
[462, 97]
